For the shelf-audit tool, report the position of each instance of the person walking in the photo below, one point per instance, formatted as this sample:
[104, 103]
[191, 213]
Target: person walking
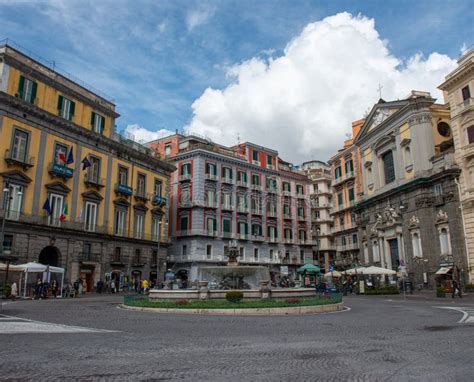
[112, 286]
[14, 291]
[456, 289]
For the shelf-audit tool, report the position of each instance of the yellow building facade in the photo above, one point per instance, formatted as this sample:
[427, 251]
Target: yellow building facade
[75, 193]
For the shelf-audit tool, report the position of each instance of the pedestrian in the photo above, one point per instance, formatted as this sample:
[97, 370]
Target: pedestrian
[14, 291]
[112, 286]
[76, 288]
[84, 286]
[54, 288]
[456, 289]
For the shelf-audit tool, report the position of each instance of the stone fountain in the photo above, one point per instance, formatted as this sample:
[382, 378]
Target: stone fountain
[233, 275]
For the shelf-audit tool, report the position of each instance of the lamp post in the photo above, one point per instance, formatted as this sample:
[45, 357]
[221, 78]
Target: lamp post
[6, 204]
[158, 251]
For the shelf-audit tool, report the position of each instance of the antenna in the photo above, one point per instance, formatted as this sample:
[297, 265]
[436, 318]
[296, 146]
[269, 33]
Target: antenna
[238, 138]
[379, 89]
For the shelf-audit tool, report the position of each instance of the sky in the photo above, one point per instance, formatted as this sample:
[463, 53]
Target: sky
[289, 75]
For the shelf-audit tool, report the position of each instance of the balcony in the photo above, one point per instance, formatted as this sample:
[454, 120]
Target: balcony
[463, 107]
[347, 247]
[256, 211]
[210, 233]
[288, 240]
[270, 167]
[272, 239]
[227, 180]
[271, 213]
[227, 207]
[256, 187]
[92, 180]
[141, 195]
[257, 238]
[123, 189]
[343, 178]
[242, 236]
[287, 193]
[185, 204]
[116, 261]
[184, 177]
[302, 218]
[242, 183]
[228, 235]
[211, 177]
[60, 170]
[272, 189]
[287, 215]
[300, 195]
[158, 200]
[24, 161]
[87, 257]
[210, 203]
[256, 162]
[243, 209]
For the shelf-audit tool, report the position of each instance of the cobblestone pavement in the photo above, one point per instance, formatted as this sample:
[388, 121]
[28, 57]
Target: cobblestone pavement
[378, 339]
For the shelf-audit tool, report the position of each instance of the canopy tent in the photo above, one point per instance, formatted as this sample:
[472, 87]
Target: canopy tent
[443, 271]
[11, 268]
[377, 271]
[33, 267]
[332, 274]
[353, 271]
[309, 268]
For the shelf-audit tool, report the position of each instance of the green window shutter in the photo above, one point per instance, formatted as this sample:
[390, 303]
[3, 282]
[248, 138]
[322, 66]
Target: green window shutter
[184, 223]
[102, 124]
[226, 225]
[259, 230]
[351, 165]
[246, 229]
[33, 92]
[72, 109]
[182, 169]
[92, 119]
[351, 194]
[208, 171]
[60, 102]
[21, 85]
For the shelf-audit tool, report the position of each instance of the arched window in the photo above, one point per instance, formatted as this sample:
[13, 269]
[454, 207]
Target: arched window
[416, 243]
[444, 241]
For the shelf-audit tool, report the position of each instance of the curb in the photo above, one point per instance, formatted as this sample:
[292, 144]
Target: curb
[245, 312]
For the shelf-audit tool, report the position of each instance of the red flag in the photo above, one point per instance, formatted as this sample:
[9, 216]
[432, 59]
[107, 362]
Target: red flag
[62, 156]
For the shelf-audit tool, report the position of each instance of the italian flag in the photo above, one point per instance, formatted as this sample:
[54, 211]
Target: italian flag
[62, 217]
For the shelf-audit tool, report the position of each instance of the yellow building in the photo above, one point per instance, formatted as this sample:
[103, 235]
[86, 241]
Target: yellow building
[75, 193]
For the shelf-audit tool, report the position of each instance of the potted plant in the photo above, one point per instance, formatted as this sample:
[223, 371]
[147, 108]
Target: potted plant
[440, 292]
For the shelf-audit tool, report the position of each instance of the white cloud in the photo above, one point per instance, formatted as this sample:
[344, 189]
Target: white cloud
[199, 16]
[303, 103]
[142, 135]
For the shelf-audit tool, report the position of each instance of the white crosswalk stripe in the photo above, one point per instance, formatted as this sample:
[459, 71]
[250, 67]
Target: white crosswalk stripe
[18, 325]
[468, 313]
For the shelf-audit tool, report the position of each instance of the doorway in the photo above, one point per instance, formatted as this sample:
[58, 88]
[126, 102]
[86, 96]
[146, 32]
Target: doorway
[49, 256]
[394, 255]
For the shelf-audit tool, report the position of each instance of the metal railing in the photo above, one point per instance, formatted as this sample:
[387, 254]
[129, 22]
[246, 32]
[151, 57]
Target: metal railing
[123, 189]
[23, 160]
[60, 170]
[93, 179]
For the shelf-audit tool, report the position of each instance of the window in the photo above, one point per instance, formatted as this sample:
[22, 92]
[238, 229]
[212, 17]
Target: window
[211, 226]
[286, 187]
[443, 129]
[7, 242]
[288, 234]
[183, 223]
[119, 222]
[343, 240]
[341, 219]
[141, 184]
[416, 243]
[242, 229]
[186, 169]
[117, 254]
[155, 228]
[184, 250]
[56, 205]
[256, 204]
[272, 233]
[256, 230]
[388, 166]
[138, 255]
[299, 189]
[255, 156]
[338, 172]
[340, 199]
[256, 180]
[351, 194]
[269, 161]
[226, 227]
[27, 90]
[60, 154]
[209, 251]
[90, 220]
[167, 150]
[270, 254]
[210, 198]
[139, 219]
[227, 200]
[444, 241]
[349, 166]
[154, 257]
[97, 123]
[354, 238]
[438, 189]
[66, 107]
[301, 255]
[15, 194]
[317, 215]
[123, 176]
[470, 134]
[157, 187]
[407, 156]
[93, 171]
[466, 93]
[302, 235]
[301, 211]
[242, 177]
[211, 169]
[20, 145]
[255, 254]
[227, 173]
[366, 253]
[242, 201]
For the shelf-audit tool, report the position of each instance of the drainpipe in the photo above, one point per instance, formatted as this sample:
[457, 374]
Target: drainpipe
[456, 180]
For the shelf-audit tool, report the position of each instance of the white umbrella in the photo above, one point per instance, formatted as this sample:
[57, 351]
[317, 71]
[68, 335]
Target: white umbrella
[377, 271]
[332, 274]
[353, 271]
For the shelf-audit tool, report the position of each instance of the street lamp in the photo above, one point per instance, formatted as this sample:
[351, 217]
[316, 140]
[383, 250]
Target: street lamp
[6, 197]
[158, 251]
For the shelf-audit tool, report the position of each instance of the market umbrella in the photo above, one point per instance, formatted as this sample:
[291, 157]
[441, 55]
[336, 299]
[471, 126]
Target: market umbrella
[353, 271]
[309, 268]
[332, 274]
[377, 271]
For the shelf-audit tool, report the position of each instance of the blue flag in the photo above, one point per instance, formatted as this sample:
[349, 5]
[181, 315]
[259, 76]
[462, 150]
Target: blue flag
[47, 207]
[70, 157]
[85, 163]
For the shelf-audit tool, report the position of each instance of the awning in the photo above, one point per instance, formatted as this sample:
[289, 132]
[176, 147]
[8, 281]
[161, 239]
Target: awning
[443, 270]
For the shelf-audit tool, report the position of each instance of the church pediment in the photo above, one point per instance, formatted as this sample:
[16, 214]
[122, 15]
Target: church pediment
[16, 177]
[58, 187]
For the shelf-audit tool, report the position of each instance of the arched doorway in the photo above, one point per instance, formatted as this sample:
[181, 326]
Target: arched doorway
[49, 256]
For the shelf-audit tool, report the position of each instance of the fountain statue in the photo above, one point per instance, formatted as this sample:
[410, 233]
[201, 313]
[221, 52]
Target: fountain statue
[233, 275]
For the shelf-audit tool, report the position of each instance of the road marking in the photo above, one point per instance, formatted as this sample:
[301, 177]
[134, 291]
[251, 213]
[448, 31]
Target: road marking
[468, 313]
[18, 325]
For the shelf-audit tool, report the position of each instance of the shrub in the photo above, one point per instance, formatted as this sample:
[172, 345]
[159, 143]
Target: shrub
[440, 290]
[181, 302]
[293, 300]
[234, 296]
[385, 289]
[469, 286]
